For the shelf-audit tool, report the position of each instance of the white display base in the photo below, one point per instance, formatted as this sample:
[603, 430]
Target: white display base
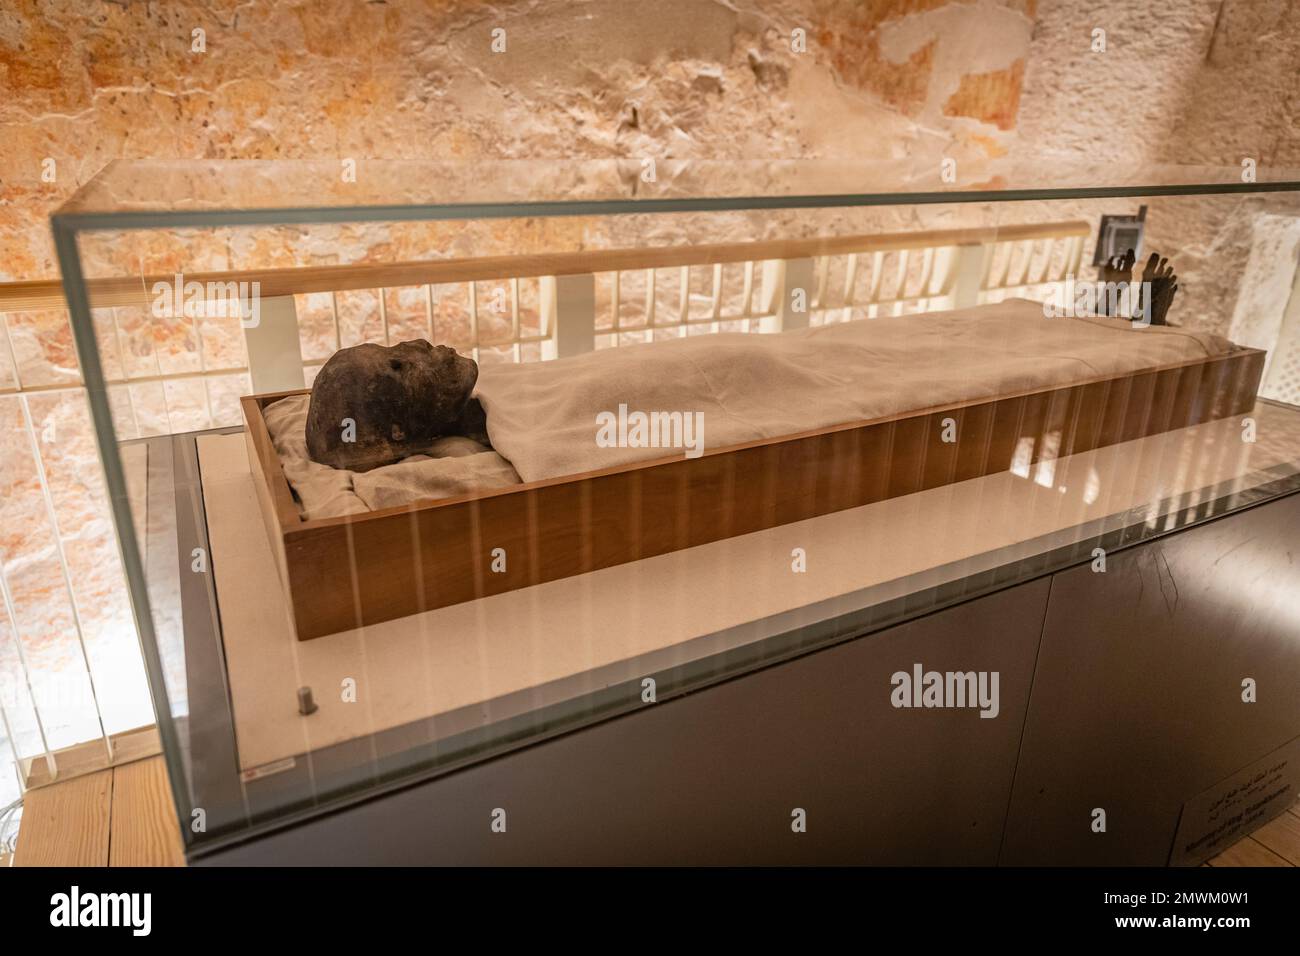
[566, 637]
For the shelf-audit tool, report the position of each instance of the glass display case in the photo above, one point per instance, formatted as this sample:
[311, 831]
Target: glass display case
[732, 415]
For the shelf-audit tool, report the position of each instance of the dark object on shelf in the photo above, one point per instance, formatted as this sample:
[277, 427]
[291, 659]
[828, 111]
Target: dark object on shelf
[1117, 233]
[1115, 271]
[1151, 297]
[306, 705]
[1157, 277]
[373, 405]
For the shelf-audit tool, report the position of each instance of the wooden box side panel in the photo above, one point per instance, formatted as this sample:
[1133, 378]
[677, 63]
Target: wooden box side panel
[344, 574]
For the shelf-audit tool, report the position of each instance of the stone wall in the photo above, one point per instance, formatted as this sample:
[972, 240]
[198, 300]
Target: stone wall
[83, 82]
[1184, 82]
[594, 79]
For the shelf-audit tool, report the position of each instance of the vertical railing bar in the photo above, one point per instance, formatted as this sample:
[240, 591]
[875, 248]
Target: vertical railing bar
[900, 288]
[207, 401]
[63, 566]
[1028, 245]
[950, 276]
[198, 342]
[715, 307]
[13, 353]
[850, 278]
[927, 274]
[167, 408]
[334, 309]
[616, 301]
[472, 292]
[747, 295]
[990, 254]
[1067, 260]
[684, 297]
[1023, 276]
[121, 345]
[428, 309]
[877, 270]
[823, 267]
[162, 376]
[1048, 273]
[1044, 274]
[617, 322]
[203, 368]
[383, 314]
[1029, 262]
[13, 747]
[514, 318]
[50, 763]
[1005, 267]
[1009, 275]
[650, 291]
[157, 359]
[514, 307]
[135, 412]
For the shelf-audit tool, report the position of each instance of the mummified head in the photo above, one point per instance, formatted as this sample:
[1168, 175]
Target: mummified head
[372, 405]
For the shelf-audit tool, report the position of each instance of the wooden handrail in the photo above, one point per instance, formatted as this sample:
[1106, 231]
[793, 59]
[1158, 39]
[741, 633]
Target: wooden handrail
[137, 290]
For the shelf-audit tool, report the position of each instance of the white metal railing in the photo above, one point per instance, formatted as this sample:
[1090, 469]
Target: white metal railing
[511, 317]
[1031, 268]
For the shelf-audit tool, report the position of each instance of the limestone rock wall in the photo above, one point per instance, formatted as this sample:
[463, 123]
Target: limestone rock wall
[1184, 82]
[83, 82]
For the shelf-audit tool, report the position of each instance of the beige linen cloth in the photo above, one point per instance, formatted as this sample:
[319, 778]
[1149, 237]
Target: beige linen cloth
[542, 417]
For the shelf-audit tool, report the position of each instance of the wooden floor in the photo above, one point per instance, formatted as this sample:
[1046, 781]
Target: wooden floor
[1276, 843]
[124, 817]
[118, 817]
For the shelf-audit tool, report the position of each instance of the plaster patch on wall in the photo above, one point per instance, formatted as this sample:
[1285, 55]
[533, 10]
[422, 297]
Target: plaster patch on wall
[992, 97]
[969, 40]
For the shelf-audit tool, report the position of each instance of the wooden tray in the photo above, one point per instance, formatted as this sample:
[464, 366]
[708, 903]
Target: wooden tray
[342, 573]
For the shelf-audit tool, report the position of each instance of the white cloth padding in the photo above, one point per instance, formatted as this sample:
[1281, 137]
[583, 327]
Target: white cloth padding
[455, 465]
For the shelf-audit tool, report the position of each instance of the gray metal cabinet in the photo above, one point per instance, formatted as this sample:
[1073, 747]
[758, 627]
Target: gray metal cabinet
[1137, 700]
[714, 777]
[1119, 690]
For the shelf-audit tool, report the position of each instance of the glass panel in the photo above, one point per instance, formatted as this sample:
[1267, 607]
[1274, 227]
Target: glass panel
[908, 397]
[209, 190]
